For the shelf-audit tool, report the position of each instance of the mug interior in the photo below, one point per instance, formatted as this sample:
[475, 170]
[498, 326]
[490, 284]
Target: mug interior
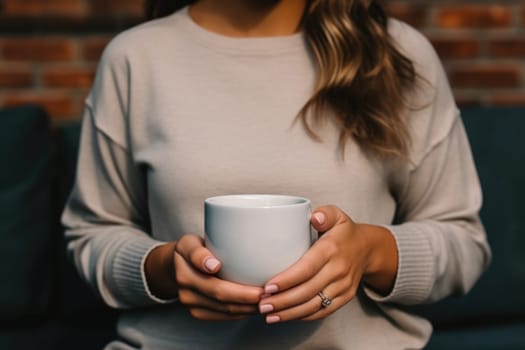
[256, 201]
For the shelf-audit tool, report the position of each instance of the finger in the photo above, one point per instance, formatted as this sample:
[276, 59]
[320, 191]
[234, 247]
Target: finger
[223, 291]
[192, 248]
[210, 315]
[310, 310]
[336, 304]
[300, 294]
[324, 218]
[194, 299]
[304, 269]
[299, 312]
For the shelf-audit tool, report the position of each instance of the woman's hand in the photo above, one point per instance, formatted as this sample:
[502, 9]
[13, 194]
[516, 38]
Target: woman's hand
[187, 269]
[206, 296]
[345, 254]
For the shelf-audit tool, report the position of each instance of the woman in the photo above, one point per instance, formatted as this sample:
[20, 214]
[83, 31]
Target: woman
[325, 99]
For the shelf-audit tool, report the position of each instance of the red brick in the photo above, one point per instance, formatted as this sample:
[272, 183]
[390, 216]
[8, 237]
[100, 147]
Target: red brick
[15, 78]
[511, 47]
[92, 48]
[24, 8]
[474, 16]
[456, 48]
[118, 8]
[33, 49]
[485, 77]
[68, 78]
[415, 15]
[509, 99]
[57, 105]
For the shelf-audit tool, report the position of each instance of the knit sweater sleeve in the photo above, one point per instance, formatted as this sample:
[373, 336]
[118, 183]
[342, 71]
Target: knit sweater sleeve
[105, 221]
[106, 216]
[441, 242]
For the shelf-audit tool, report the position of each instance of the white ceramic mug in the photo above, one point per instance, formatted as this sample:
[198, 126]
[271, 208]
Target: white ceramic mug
[257, 236]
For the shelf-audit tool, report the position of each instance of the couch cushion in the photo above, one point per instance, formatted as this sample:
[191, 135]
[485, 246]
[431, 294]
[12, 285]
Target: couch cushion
[67, 144]
[498, 143]
[25, 234]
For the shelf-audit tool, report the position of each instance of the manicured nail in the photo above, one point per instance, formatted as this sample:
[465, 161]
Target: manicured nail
[265, 308]
[271, 288]
[320, 218]
[272, 319]
[264, 296]
[211, 263]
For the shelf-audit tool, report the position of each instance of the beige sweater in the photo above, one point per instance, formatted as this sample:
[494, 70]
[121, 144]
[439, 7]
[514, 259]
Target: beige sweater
[178, 114]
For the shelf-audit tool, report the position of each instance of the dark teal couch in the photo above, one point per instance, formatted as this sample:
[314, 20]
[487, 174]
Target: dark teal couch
[44, 305]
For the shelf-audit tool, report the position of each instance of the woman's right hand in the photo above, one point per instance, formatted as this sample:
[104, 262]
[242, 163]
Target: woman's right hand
[207, 296]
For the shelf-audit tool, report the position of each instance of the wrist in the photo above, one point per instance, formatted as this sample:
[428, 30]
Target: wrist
[160, 271]
[381, 269]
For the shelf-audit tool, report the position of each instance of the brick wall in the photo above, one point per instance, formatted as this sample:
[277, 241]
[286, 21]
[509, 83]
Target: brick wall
[481, 43]
[49, 48]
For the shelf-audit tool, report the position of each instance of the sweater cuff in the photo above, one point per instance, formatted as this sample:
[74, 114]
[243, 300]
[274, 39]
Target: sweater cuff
[415, 272]
[129, 276]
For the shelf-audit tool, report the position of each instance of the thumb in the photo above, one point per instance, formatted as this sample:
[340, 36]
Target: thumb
[192, 249]
[211, 264]
[326, 217]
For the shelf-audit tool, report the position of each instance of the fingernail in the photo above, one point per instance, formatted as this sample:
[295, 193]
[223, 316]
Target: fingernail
[265, 308]
[264, 296]
[272, 319]
[271, 288]
[211, 264]
[320, 218]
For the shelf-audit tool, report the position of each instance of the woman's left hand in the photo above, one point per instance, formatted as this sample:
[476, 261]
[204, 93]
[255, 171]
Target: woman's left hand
[345, 254]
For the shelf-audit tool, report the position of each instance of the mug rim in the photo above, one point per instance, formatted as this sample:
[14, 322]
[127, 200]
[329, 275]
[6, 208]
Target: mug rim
[214, 201]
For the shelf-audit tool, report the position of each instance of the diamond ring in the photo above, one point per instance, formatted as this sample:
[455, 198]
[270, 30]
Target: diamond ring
[325, 300]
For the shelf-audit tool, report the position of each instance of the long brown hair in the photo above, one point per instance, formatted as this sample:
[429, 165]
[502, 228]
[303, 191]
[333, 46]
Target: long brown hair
[362, 76]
